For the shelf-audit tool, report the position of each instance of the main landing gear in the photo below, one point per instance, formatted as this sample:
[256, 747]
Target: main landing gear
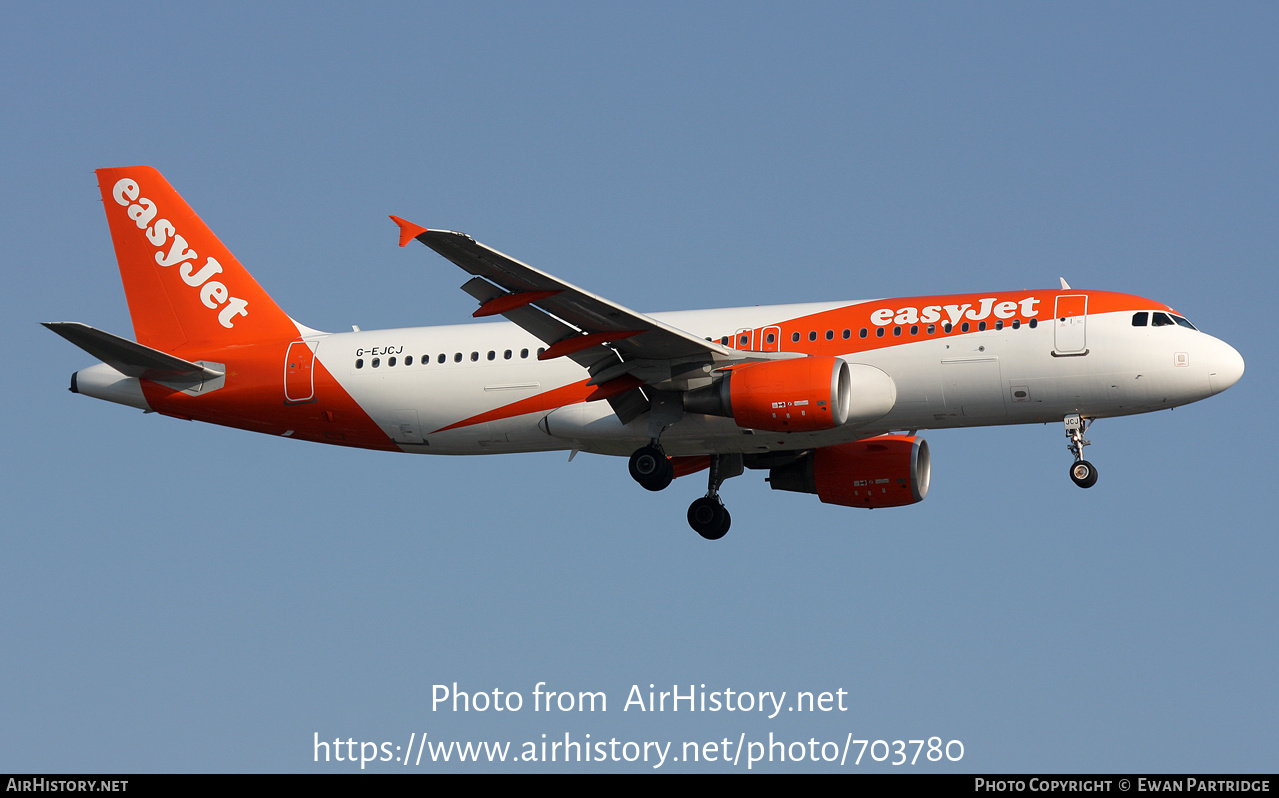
[651, 468]
[1082, 472]
[708, 517]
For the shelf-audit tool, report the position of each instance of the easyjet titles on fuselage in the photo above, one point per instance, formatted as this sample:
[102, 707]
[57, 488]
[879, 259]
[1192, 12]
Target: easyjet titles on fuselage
[955, 313]
[212, 292]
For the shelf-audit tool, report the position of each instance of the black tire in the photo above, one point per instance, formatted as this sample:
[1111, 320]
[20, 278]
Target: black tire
[1083, 473]
[709, 518]
[651, 468]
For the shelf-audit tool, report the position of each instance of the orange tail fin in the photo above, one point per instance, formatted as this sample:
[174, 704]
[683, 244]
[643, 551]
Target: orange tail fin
[183, 286]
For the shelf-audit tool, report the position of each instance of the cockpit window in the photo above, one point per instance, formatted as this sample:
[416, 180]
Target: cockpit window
[1158, 319]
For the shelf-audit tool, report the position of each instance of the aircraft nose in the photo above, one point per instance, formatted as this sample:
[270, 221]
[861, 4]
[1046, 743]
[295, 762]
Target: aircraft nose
[1227, 368]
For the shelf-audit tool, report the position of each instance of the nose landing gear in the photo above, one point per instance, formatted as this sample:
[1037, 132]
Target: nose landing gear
[1082, 472]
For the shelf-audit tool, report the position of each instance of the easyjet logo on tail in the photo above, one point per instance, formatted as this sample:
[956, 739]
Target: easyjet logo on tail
[213, 293]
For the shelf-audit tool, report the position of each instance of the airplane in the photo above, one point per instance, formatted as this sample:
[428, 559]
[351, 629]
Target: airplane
[827, 397]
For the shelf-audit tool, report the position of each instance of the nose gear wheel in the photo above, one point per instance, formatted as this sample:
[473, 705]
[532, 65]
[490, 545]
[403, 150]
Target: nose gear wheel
[1082, 472]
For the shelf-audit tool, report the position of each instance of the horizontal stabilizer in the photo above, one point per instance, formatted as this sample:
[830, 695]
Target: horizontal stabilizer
[130, 358]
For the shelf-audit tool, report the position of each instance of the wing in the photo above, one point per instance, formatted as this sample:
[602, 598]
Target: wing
[622, 349]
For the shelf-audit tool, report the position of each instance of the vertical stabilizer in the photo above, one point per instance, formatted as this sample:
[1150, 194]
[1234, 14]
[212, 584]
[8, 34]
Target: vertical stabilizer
[183, 286]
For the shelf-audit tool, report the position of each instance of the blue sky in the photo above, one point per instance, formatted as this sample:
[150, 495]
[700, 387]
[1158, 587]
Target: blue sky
[179, 597]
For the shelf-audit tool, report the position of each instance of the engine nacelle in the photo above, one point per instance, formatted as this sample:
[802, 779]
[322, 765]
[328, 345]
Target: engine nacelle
[804, 394]
[887, 471]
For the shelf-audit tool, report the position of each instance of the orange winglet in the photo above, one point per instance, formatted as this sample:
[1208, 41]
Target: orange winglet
[507, 302]
[577, 343]
[408, 230]
[615, 386]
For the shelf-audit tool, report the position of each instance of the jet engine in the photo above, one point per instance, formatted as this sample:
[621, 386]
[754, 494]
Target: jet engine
[887, 471]
[804, 394]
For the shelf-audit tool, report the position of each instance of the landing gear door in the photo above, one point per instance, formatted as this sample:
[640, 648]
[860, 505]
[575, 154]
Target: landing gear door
[1069, 321]
[299, 373]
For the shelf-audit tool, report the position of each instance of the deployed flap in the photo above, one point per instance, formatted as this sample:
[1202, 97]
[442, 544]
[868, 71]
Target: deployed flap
[130, 358]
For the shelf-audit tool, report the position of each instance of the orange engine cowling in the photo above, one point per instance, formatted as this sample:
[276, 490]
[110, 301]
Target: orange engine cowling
[798, 395]
[887, 471]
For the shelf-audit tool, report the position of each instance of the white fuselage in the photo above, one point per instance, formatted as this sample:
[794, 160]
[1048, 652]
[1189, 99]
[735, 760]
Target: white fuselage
[1007, 376]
